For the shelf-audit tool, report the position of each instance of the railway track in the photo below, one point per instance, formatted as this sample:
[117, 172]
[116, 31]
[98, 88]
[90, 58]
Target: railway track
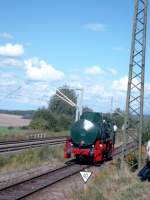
[30, 140]
[11, 146]
[25, 188]
[131, 146]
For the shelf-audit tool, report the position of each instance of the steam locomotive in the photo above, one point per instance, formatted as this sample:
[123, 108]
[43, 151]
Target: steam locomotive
[91, 137]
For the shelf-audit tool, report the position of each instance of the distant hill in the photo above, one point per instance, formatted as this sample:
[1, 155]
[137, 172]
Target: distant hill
[27, 114]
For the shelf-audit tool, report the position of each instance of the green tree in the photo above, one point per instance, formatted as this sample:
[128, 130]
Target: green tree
[118, 117]
[39, 123]
[64, 122]
[43, 119]
[59, 115]
[87, 109]
[59, 107]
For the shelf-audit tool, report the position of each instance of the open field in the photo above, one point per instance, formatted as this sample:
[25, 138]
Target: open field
[7, 120]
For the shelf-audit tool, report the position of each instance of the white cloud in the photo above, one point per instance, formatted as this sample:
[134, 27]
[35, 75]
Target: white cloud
[6, 35]
[121, 84]
[96, 90]
[10, 62]
[36, 94]
[12, 50]
[97, 27]
[94, 70]
[147, 88]
[112, 71]
[40, 70]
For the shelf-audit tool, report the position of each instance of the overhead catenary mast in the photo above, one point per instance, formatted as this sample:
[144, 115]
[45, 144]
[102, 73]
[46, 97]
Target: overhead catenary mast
[135, 90]
[78, 105]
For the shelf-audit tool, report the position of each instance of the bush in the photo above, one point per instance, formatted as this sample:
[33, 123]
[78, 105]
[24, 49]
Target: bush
[64, 122]
[57, 129]
[132, 161]
[52, 121]
[24, 127]
[10, 127]
[43, 119]
[39, 123]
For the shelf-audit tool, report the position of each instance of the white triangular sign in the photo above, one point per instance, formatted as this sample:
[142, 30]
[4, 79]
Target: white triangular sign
[85, 175]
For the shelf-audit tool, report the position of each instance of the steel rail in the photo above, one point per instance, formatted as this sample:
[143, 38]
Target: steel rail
[10, 147]
[28, 187]
[29, 140]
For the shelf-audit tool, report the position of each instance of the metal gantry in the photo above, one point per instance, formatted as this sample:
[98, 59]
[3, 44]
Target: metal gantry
[135, 90]
[78, 106]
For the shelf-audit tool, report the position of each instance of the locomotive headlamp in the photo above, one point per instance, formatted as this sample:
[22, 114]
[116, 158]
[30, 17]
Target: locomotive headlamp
[87, 124]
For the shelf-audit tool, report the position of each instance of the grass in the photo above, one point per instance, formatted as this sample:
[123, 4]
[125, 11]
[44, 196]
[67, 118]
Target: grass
[31, 158]
[7, 133]
[60, 133]
[10, 133]
[119, 137]
[111, 184]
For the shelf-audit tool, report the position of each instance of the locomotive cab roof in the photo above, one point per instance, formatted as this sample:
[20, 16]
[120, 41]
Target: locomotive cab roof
[96, 117]
[92, 116]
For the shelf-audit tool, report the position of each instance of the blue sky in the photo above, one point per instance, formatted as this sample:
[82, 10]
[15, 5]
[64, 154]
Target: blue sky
[47, 43]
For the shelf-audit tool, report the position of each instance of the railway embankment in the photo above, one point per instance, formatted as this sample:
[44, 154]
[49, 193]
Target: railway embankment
[30, 158]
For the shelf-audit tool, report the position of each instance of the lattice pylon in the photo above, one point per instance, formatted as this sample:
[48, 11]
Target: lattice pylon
[135, 90]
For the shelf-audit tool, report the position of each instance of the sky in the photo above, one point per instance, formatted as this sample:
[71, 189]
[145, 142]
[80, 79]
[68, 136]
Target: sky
[46, 44]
